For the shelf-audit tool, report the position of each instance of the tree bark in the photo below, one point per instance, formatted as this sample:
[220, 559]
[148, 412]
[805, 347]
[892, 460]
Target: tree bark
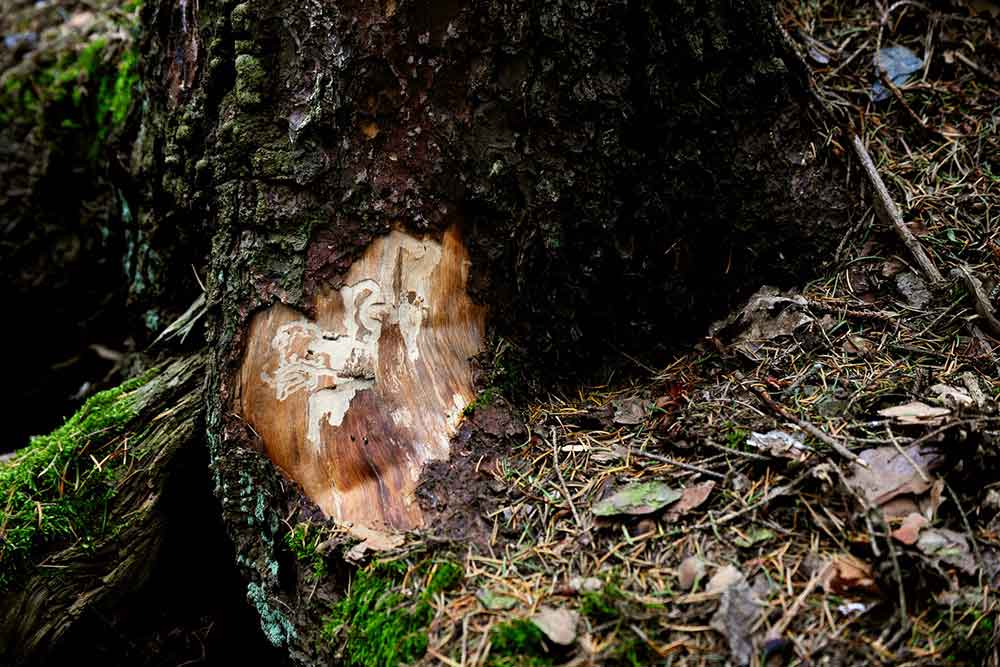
[379, 190]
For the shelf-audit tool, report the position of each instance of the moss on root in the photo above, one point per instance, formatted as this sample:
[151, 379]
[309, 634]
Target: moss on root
[381, 626]
[58, 487]
[304, 540]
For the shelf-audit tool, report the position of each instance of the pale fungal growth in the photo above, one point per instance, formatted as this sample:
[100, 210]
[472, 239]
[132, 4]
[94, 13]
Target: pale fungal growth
[353, 404]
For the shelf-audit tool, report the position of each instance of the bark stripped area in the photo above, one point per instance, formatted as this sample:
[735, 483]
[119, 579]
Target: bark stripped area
[353, 403]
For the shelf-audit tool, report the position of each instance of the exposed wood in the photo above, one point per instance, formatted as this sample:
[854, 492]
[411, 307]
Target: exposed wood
[352, 404]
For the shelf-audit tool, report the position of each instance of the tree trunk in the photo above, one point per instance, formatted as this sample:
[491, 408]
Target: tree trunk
[390, 184]
[382, 191]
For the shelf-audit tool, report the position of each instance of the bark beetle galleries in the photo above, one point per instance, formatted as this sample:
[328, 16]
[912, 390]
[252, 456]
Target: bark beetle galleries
[353, 404]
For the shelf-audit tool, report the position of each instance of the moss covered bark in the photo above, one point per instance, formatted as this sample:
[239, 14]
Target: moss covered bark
[83, 523]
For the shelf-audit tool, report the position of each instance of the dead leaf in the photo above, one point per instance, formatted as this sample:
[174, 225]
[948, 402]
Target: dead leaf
[768, 314]
[495, 601]
[858, 345]
[559, 625]
[638, 498]
[691, 498]
[910, 529]
[916, 413]
[900, 507]
[949, 547]
[723, 578]
[690, 572]
[736, 618]
[630, 411]
[890, 474]
[846, 573]
[780, 444]
[930, 503]
[372, 540]
[953, 396]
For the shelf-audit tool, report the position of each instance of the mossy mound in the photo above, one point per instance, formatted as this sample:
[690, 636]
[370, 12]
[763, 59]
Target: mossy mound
[378, 623]
[67, 91]
[58, 487]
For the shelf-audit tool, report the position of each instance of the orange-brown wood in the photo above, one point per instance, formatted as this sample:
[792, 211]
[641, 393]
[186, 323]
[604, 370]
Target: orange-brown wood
[351, 405]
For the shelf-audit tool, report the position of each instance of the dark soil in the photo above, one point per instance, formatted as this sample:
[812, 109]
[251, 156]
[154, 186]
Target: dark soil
[456, 496]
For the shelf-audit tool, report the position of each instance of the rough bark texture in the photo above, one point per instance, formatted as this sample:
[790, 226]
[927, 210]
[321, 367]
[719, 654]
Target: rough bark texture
[621, 170]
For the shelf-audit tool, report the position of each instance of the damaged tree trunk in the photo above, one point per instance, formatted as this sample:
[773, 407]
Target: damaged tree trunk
[382, 190]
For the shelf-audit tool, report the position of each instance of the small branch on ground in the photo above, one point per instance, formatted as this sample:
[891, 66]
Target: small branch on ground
[889, 213]
[808, 427]
[982, 300]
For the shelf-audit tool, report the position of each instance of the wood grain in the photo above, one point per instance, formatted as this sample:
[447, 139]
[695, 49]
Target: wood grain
[353, 404]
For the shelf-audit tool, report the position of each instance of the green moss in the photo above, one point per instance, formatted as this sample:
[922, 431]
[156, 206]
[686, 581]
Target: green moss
[612, 607]
[58, 487]
[303, 540]
[484, 398]
[241, 18]
[250, 77]
[736, 438]
[963, 632]
[602, 605]
[518, 643]
[445, 576]
[115, 95]
[379, 625]
[630, 650]
[86, 93]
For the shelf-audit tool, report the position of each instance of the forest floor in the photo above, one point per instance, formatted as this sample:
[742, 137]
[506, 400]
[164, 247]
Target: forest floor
[818, 480]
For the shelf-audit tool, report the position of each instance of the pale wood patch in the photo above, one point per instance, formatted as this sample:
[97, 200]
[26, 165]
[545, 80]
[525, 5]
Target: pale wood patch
[351, 405]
